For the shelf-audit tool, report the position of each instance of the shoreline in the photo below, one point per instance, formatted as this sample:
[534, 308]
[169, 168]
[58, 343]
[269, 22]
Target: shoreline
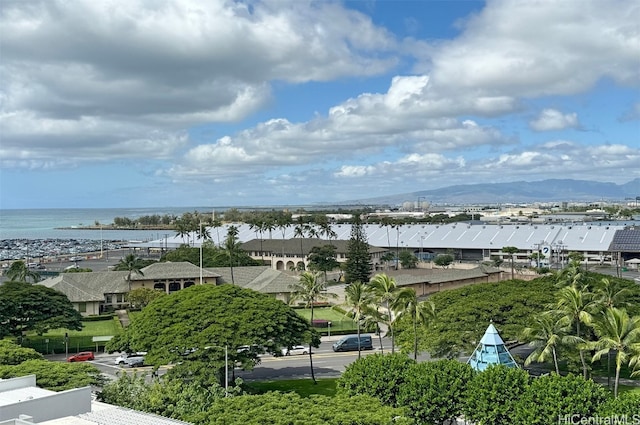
[142, 228]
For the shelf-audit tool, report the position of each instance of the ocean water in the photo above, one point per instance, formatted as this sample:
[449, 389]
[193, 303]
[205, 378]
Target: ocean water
[66, 223]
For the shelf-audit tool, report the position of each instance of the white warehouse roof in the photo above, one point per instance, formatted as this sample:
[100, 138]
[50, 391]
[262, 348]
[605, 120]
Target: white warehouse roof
[572, 237]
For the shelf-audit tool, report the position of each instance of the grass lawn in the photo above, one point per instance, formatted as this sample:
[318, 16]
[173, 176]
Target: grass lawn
[96, 328]
[337, 319]
[304, 387]
[626, 388]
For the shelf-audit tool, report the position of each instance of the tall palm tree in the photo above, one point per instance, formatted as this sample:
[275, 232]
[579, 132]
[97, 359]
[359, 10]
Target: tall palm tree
[385, 291]
[616, 331]
[182, 229]
[420, 312]
[546, 334]
[309, 289]
[19, 272]
[298, 232]
[610, 293]
[576, 305]
[131, 264]
[511, 250]
[358, 298]
[232, 246]
[216, 223]
[258, 225]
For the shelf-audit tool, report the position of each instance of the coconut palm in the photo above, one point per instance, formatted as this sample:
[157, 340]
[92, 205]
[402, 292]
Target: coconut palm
[610, 293]
[19, 272]
[576, 306]
[385, 291]
[616, 331]
[232, 246]
[511, 250]
[310, 289]
[406, 304]
[546, 334]
[358, 299]
[298, 232]
[132, 265]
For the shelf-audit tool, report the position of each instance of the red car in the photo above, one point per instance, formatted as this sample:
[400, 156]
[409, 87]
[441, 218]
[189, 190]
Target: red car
[81, 357]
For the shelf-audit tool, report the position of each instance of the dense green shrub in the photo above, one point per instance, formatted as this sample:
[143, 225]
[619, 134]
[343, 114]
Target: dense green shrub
[434, 392]
[377, 375]
[287, 409]
[491, 395]
[550, 397]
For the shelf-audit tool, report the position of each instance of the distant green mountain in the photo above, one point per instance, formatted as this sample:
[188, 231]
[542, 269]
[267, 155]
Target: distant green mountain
[551, 190]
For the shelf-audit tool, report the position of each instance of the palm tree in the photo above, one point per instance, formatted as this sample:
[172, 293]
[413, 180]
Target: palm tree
[217, 224]
[298, 232]
[258, 225]
[232, 246]
[511, 250]
[309, 289]
[385, 290]
[131, 264]
[617, 331]
[576, 306]
[420, 312]
[610, 293]
[547, 333]
[358, 299]
[19, 272]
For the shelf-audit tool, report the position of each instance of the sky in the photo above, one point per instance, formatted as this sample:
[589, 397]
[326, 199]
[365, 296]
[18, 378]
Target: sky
[142, 103]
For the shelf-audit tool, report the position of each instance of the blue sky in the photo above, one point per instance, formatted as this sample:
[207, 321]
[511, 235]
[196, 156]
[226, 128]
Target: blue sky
[257, 103]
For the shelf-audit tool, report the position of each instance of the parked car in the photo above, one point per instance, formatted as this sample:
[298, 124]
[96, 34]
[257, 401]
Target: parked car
[121, 360]
[135, 361]
[81, 356]
[296, 350]
[351, 343]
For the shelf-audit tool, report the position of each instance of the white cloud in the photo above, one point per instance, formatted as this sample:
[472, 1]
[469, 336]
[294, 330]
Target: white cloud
[536, 48]
[163, 66]
[552, 119]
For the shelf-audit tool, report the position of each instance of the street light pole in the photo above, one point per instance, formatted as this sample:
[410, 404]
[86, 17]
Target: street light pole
[200, 253]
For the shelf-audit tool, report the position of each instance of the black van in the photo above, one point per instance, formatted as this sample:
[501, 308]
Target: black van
[350, 343]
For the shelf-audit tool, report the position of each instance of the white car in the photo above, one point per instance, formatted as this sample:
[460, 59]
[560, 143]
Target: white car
[121, 360]
[296, 350]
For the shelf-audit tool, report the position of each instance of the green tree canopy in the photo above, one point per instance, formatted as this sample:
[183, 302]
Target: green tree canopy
[141, 297]
[550, 397]
[55, 376]
[358, 265]
[491, 395]
[290, 408]
[203, 319]
[378, 375]
[434, 392]
[443, 260]
[13, 354]
[464, 314]
[408, 260]
[323, 259]
[27, 307]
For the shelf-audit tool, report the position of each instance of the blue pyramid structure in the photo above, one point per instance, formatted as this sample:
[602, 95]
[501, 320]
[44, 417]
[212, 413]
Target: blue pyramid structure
[491, 350]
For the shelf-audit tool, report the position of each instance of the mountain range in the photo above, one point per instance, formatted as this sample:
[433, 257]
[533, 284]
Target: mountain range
[550, 190]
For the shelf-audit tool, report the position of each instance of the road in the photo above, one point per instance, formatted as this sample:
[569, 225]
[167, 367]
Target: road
[326, 363]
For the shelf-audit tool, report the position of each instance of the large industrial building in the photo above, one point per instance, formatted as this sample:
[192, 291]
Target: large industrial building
[600, 243]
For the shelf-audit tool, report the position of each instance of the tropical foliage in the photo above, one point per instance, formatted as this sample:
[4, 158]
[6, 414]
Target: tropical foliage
[55, 376]
[25, 307]
[193, 326]
[358, 265]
